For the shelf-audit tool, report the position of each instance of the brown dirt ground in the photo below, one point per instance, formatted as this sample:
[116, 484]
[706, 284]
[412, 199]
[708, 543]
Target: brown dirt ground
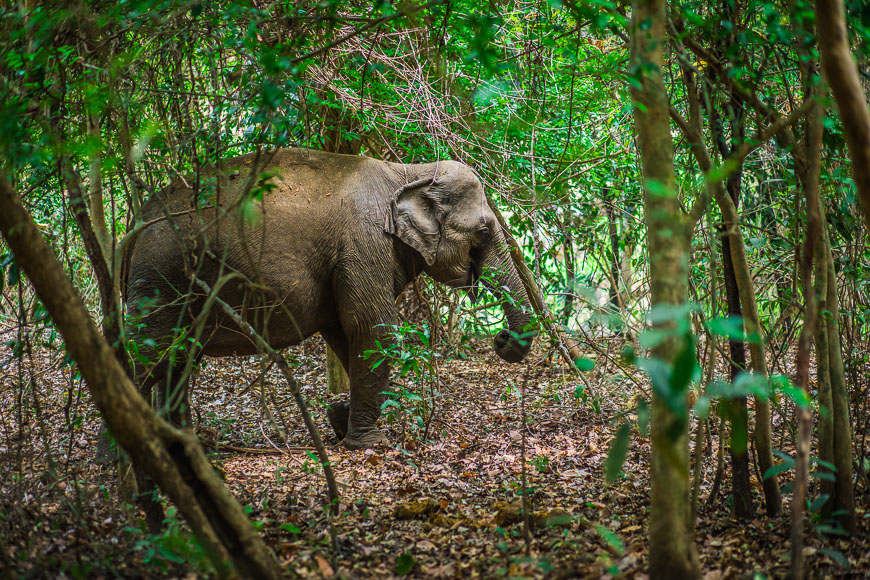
[444, 507]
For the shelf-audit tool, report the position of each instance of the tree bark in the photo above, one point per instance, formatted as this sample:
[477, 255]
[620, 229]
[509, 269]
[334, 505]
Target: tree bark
[672, 553]
[780, 128]
[95, 247]
[810, 183]
[738, 411]
[336, 377]
[761, 434]
[842, 74]
[835, 430]
[616, 301]
[171, 456]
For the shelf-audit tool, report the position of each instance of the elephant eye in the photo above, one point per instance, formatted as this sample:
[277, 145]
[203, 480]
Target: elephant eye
[483, 237]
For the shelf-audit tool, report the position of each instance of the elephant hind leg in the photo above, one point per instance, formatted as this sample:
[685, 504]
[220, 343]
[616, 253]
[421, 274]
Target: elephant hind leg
[338, 414]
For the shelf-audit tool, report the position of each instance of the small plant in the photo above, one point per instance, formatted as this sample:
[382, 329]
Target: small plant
[175, 546]
[412, 400]
[541, 463]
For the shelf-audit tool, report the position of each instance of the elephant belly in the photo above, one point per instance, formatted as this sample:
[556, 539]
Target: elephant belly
[286, 323]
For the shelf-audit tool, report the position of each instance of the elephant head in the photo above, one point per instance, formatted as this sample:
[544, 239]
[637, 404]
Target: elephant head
[443, 215]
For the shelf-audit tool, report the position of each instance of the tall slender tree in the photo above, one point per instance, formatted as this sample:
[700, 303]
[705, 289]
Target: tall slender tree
[672, 553]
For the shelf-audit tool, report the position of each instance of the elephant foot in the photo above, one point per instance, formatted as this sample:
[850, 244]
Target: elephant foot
[365, 440]
[338, 415]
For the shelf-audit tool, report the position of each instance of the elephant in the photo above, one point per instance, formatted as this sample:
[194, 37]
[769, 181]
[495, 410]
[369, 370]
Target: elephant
[298, 242]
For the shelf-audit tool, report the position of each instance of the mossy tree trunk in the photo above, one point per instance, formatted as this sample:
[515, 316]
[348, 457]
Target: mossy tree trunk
[835, 428]
[173, 458]
[841, 73]
[672, 554]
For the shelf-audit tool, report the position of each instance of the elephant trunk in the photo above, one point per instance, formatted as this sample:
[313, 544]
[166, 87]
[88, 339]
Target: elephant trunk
[511, 344]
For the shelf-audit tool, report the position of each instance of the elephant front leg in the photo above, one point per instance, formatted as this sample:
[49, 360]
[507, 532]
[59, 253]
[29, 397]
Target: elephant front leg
[367, 388]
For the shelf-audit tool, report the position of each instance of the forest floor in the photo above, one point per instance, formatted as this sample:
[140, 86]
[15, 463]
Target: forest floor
[443, 506]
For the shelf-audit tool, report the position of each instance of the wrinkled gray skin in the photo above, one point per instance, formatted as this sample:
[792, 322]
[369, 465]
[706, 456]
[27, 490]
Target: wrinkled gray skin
[327, 250]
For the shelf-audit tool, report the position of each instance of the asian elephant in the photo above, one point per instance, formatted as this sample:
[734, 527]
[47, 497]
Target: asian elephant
[300, 242]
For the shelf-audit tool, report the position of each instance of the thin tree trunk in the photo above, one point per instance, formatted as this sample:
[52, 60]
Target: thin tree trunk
[837, 448]
[842, 74]
[761, 435]
[336, 377]
[95, 200]
[823, 373]
[810, 182]
[738, 411]
[844, 500]
[171, 456]
[570, 285]
[672, 553]
[616, 301]
[568, 346]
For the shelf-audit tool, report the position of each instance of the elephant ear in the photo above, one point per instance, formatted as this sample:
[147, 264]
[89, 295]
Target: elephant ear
[414, 217]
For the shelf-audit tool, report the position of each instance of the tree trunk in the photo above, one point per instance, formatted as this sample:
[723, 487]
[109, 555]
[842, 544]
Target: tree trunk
[672, 553]
[761, 435]
[336, 376]
[809, 178]
[616, 301]
[95, 248]
[570, 281]
[835, 439]
[842, 74]
[738, 411]
[171, 456]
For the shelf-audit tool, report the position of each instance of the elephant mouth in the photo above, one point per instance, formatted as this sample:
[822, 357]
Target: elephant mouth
[468, 281]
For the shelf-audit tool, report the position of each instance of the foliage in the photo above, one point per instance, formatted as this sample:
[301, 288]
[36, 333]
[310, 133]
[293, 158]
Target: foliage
[535, 97]
[414, 359]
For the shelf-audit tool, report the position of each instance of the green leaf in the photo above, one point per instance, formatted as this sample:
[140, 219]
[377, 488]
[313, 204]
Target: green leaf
[721, 172]
[611, 538]
[799, 396]
[752, 384]
[777, 469]
[659, 374]
[616, 454]
[818, 503]
[676, 313]
[730, 326]
[584, 364]
[404, 564]
[774, 470]
[643, 417]
[14, 273]
[836, 556]
[824, 476]
[652, 337]
[826, 464]
[702, 407]
[685, 367]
